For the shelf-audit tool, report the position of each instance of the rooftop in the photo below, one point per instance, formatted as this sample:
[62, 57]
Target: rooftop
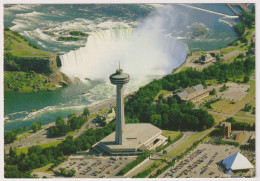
[136, 135]
[119, 77]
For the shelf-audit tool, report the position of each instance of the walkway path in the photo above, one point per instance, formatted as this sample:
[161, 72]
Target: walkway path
[209, 11]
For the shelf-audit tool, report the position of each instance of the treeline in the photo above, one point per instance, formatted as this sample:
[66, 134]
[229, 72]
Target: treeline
[240, 126]
[11, 135]
[173, 115]
[20, 36]
[134, 163]
[74, 122]
[26, 64]
[18, 166]
[61, 128]
[67, 38]
[26, 82]
[248, 20]
[78, 33]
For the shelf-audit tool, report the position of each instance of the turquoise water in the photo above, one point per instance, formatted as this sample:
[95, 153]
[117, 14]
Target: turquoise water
[32, 20]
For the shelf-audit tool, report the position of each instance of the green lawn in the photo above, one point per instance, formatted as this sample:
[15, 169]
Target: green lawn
[212, 82]
[45, 145]
[245, 114]
[19, 47]
[240, 47]
[184, 68]
[163, 92]
[172, 134]
[184, 145]
[24, 135]
[218, 118]
[241, 120]
[44, 169]
[225, 107]
[37, 141]
[99, 112]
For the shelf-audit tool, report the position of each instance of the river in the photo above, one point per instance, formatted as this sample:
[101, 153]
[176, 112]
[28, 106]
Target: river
[173, 21]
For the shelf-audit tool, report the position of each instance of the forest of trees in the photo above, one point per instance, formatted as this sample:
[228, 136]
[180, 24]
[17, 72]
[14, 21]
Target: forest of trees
[175, 115]
[248, 20]
[74, 122]
[21, 165]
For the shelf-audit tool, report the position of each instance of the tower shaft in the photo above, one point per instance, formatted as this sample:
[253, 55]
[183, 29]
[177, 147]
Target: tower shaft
[120, 115]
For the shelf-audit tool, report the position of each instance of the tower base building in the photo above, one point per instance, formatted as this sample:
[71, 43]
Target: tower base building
[128, 139]
[138, 137]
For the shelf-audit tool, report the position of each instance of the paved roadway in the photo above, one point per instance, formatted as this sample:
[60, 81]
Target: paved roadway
[42, 134]
[185, 137]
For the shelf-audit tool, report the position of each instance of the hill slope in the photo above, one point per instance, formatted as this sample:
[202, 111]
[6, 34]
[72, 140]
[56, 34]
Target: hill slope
[27, 68]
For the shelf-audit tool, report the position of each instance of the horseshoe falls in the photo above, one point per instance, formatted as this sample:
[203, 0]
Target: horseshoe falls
[141, 52]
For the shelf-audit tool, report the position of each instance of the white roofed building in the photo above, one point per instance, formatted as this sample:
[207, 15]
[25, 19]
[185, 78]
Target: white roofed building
[236, 162]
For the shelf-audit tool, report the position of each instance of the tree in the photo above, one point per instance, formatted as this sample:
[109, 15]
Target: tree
[59, 121]
[213, 92]
[36, 126]
[246, 78]
[86, 112]
[156, 120]
[10, 137]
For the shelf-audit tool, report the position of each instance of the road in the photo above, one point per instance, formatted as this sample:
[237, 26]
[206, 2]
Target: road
[149, 161]
[41, 135]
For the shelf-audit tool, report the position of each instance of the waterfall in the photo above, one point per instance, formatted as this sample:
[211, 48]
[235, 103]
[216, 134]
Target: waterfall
[139, 53]
[147, 50]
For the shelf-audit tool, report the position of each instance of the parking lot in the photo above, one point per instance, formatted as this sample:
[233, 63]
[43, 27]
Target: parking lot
[201, 162]
[97, 167]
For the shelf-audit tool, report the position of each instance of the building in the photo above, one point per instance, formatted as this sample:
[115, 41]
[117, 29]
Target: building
[128, 139]
[138, 137]
[235, 162]
[226, 129]
[193, 94]
[207, 58]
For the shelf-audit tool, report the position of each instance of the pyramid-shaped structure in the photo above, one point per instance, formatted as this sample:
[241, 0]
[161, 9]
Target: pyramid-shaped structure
[237, 161]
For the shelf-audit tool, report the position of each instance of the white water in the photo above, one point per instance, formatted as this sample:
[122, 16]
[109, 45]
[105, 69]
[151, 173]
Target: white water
[146, 50]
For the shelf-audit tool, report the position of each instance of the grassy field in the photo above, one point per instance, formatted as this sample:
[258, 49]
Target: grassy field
[184, 68]
[184, 145]
[45, 145]
[24, 135]
[172, 134]
[240, 47]
[19, 47]
[245, 114]
[163, 92]
[218, 118]
[99, 112]
[225, 107]
[44, 169]
[249, 33]
[212, 82]
[208, 97]
[37, 141]
[244, 136]
[249, 121]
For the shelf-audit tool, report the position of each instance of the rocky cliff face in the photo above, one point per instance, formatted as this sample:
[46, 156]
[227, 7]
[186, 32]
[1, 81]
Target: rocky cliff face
[58, 78]
[27, 68]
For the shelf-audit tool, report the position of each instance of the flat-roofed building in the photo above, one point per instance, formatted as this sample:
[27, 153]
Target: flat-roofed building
[226, 128]
[138, 137]
[192, 94]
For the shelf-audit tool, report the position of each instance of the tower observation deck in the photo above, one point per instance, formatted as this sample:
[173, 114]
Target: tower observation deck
[131, 138]
[119, 79]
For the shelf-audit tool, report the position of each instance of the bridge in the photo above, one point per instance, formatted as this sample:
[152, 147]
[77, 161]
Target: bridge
[209, 11]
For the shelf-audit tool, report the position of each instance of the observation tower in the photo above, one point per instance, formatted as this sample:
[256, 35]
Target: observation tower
[119, 79]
